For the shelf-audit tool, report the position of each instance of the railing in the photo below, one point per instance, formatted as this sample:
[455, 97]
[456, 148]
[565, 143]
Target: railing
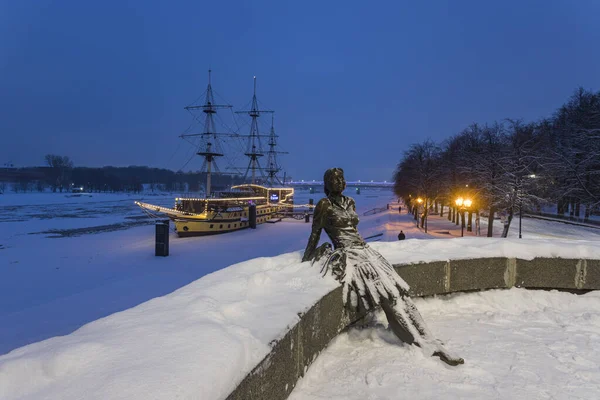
[379, 235]
[348, 184]
[375, 211]
[565, 218]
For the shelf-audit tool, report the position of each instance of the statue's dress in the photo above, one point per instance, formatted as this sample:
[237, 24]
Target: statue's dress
[368, 279]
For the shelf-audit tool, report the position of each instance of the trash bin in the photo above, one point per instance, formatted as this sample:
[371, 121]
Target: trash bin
[162, 238]
[252, 216]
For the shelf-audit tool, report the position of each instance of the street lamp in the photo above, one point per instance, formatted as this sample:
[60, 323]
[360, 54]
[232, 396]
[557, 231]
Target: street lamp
[419, 200]
[520, 216]
[463, 205]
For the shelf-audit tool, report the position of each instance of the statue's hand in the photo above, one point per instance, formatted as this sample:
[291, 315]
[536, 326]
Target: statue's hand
[323, 250]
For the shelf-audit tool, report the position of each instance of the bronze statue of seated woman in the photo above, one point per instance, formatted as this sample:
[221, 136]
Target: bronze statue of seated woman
[368, 279]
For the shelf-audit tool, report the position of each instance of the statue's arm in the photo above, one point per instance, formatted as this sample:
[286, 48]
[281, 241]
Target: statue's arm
[317, 225]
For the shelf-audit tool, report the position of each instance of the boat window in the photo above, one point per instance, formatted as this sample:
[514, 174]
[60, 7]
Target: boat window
[220, 226]
[211, 226]
[229, 226]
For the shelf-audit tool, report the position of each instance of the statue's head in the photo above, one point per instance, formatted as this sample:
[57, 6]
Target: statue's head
[333, 181]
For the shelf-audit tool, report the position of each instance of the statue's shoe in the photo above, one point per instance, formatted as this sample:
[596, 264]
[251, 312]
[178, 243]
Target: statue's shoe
[434, 348]
[447, 358]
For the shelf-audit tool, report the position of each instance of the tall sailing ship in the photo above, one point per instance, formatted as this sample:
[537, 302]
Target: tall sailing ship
[264, 199]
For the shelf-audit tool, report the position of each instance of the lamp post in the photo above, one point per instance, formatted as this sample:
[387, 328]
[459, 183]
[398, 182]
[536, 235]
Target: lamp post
[520, 216]
[463, 205]
[419, 201]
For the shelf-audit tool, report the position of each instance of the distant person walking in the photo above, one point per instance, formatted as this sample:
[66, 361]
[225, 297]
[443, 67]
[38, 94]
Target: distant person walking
[399, 210]
[401, 236]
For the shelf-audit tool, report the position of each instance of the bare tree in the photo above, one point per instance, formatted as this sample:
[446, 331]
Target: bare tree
[60, 169]
[573, 154]
[480, 157]
[519, 162]
[419, 175]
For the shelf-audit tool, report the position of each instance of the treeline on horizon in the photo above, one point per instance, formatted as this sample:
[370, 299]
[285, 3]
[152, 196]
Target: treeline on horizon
[511, 166]
[61, 175]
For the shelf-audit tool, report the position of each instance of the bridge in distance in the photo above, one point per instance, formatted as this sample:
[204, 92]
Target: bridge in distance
[358, 184]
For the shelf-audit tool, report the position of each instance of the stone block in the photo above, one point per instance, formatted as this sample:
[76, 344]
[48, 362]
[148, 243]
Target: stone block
[555, 273]
[592, 274]
[478, 274]
[276, 375]
[424, 279]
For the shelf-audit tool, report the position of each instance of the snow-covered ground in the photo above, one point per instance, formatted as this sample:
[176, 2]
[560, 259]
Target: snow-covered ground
[517, 344]
[203, 335]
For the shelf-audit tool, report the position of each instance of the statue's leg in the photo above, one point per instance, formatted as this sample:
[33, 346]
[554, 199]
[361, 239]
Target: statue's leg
[407, 323]
[416, 318]
[397, 322]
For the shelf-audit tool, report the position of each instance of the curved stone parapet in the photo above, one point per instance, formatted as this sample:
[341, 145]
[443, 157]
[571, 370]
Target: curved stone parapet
[440, 277]
[276, 375]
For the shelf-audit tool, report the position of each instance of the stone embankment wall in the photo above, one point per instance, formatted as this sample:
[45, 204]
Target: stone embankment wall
[276, 375]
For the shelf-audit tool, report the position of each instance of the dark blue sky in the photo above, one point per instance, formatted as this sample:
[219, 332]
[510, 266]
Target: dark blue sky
[353, 83]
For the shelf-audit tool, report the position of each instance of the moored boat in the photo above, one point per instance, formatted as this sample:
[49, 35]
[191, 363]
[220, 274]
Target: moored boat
[229, 212]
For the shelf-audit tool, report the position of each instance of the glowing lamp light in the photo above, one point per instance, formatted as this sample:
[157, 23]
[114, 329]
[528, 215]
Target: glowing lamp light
[419, 200]
[463, 204]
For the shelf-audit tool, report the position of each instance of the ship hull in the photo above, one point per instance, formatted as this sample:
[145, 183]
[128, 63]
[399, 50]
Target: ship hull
[229, 212]
[187, 227]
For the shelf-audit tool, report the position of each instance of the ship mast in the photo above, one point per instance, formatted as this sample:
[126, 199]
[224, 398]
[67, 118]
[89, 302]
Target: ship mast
[209, 134]
[254, 151]
[272, 166]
